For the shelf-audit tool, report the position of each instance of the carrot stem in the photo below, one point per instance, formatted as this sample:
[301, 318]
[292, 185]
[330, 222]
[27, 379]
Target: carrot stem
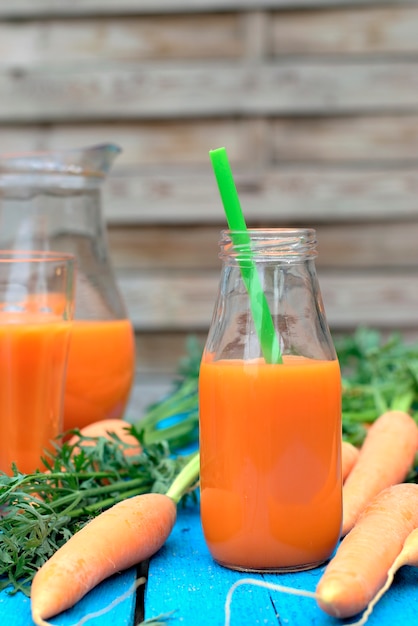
[174, 433]
[94, 491]
[403, 402]
[183, 399]
[104, 504]
[188, 477]
[180, 405]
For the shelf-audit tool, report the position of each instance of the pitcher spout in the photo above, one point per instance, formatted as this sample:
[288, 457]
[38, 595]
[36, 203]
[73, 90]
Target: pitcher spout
[97, 160]
[92, 161]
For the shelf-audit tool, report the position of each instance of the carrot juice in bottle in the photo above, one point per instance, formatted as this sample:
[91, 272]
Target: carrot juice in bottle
[270, 432]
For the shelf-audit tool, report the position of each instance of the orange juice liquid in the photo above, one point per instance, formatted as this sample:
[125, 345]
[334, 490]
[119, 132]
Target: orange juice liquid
[270, 443]
[100, 371]
[33, 354]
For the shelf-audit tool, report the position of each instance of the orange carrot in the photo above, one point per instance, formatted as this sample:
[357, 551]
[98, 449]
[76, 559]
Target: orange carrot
[349, 456]
[408, 556]
[129, 532]
[385, 458]
[361, 564]
[105, 428]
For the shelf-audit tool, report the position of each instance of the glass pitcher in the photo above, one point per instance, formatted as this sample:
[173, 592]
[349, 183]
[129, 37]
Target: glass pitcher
[52, 201]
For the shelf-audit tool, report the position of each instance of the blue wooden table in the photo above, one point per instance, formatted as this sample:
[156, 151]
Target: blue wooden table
[183, 578]
[185, 582]
[15, 609]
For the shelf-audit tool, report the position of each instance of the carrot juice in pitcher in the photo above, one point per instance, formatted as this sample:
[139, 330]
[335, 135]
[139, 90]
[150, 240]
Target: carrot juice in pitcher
[100, 371]
[270, 432]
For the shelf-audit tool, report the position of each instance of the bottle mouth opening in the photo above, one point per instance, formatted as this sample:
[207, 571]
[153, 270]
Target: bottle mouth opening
[272, 244]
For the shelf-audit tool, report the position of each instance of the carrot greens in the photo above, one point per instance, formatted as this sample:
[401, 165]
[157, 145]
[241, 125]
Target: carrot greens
[377, 376]
[41, 511]
[175, 418]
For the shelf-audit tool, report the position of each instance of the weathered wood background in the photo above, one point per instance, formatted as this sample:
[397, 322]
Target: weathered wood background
[316, 102]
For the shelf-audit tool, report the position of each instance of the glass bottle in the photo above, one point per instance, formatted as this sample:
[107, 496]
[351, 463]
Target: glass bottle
[270, 428]
[52, 201]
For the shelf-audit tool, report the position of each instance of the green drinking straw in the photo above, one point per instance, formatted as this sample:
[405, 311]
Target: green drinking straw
[263, 321]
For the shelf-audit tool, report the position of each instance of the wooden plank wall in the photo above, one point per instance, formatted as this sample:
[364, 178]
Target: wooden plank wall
[316, 102]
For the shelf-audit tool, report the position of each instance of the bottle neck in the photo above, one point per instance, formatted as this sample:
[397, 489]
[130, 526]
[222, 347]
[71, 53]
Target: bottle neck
[274, 245]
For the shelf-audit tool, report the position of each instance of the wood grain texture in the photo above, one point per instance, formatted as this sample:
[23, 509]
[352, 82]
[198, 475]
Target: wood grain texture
[160, 146]
[184, 300]
[366, 30]
[273, 196]
[370, 246]
[19, 8]
[159, 354]
[346, 140]
[65, 43]
[189, 90]
[355, 30]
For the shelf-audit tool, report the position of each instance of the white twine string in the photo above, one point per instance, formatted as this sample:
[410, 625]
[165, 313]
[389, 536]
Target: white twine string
[294, 592]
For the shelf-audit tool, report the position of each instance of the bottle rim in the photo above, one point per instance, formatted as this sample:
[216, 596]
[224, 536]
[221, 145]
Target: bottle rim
[268, 244]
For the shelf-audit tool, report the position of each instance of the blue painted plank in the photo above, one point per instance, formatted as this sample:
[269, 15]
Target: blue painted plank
[184, 579]
[15, 609]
